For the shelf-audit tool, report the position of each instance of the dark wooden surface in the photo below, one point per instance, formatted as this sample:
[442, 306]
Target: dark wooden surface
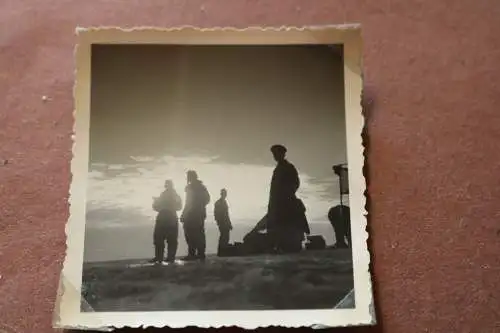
[432, 96]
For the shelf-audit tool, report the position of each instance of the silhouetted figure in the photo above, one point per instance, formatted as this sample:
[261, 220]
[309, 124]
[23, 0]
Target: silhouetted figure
[167, 224]
[286, 213]
[301, 217]
[194, 215]
[221, 215]
[340, 218]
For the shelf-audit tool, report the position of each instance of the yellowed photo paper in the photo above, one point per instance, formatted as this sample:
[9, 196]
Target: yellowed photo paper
[217, 180]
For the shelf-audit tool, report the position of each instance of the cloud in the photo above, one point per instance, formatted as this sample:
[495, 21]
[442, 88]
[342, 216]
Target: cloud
[132, 187]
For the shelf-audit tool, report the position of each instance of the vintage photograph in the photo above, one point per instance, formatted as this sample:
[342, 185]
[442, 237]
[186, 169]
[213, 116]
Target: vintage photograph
[218, 178]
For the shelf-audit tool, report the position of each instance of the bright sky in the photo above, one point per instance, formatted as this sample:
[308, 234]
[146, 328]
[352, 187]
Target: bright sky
[158, 111]
[131, 187]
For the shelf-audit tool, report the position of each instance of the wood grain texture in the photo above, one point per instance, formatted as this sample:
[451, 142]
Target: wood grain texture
[432, 91]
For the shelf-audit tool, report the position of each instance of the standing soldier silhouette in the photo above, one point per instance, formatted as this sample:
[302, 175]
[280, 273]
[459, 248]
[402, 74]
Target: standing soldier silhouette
[194, 215]
[283, 219]
[167, 223]
[221, 215]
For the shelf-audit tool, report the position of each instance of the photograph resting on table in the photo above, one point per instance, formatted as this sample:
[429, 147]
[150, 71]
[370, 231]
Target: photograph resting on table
[217, 171]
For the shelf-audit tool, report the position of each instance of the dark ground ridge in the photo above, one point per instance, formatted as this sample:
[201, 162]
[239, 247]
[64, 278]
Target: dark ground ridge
[308, 280]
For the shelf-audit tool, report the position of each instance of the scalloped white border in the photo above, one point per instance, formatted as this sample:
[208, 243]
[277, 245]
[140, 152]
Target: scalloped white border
[67, 313]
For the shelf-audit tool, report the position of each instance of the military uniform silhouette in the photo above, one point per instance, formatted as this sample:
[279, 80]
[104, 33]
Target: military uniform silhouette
[221, 215]
[194, 215]
[340, 218]
[285, 218]
[167, 223]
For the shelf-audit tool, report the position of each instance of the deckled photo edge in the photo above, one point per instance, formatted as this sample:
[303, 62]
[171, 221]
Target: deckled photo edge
[68, 299]
[355, 124]
[68, 313]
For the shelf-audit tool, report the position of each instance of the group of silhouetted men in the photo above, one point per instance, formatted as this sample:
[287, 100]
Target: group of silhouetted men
[192, 218]
[286, 221]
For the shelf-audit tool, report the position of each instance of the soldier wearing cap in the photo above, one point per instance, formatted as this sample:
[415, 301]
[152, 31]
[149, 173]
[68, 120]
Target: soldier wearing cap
[283, 225]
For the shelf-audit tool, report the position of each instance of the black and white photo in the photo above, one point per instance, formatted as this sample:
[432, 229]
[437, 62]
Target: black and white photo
[217, 171]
